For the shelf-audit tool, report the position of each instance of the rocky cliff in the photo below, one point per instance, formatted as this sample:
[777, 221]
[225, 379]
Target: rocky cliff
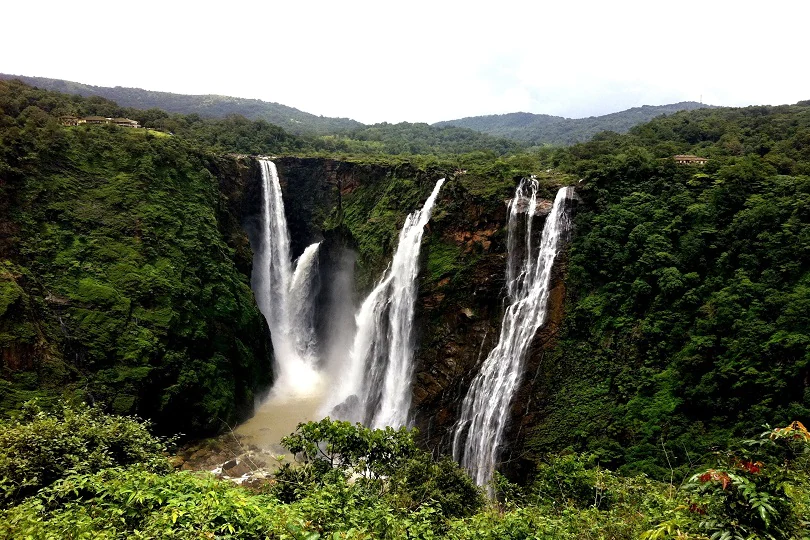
[361, 206]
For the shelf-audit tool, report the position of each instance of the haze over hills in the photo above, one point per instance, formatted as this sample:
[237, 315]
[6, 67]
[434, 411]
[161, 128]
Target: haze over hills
[527, 128]
[540, 129]
[291, 119]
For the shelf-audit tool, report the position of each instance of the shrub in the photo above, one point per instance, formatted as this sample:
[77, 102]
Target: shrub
[757, 490]
[379, 462]
[41, 447]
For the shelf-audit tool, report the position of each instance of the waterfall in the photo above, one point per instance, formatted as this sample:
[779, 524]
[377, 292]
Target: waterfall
[485, 409]
[302, 308]
[284, 294]
[376, 387]
[274, 268]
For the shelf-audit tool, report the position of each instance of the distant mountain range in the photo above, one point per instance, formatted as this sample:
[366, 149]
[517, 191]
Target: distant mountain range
[526, 128]
[291, 119]
[540, 129]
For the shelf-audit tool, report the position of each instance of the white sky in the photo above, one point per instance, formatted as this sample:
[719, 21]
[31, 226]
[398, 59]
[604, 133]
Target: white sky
[423, 61]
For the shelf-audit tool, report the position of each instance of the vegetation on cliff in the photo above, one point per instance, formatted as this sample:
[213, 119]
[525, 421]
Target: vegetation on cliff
[116, 280]
[687, 289]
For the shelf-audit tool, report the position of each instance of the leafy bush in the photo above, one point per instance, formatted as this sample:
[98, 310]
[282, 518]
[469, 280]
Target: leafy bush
[136, 503]
[440, 484]
[41, 447]
[380, 462]
[757, 490]
[571, 479]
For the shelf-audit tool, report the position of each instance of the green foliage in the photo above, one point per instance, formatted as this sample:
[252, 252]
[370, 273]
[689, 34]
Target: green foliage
[757, 490]
[124, 289]
[330, 450]
[571, 480]
[441, 485]
[377, 462]
[684, 286]
[42, 447]
[109, 479]
[136, 503]
[351, 448]
[543, 129]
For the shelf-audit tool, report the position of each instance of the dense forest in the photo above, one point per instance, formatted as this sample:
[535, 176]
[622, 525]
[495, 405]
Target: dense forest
[543, 129]
[688, 288]
[669, 404]
[209, 106]
[118, 282]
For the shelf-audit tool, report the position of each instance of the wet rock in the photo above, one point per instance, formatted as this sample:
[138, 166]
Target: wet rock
[235, 468]
[198, 454]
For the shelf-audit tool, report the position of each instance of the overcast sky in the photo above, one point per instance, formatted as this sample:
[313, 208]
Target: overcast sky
[423, 61]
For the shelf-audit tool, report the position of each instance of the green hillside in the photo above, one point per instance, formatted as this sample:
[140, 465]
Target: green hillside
[122, 280]
[543, 129]
[211, 106]
[688, 289]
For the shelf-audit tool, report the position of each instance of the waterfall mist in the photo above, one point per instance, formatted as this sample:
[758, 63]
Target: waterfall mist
[339, 327]
[485, 410]
[283, 291]
[376, 386]
[365, 356]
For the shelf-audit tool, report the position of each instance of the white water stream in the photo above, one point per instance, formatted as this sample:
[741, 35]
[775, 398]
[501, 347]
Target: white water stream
[284, 296]
[374, 385]
[376, 388]
[485, 410]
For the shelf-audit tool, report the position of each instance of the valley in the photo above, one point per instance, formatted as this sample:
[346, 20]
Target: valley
[237, 275]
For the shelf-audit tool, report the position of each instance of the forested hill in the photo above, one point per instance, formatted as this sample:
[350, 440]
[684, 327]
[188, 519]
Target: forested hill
[211, 106]
[544, 129]
[123, 275]
[418, 138]
[688, 288]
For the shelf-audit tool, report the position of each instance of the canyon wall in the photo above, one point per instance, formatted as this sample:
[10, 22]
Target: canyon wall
[361, 206]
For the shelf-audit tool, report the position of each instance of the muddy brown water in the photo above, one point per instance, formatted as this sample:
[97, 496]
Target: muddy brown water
[277, 418]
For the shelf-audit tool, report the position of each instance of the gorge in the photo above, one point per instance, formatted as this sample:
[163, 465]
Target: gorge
[374, 386]
[175, 279]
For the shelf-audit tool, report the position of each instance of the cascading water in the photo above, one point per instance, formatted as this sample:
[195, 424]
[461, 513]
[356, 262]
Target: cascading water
[376, 387]
[485, 409]
[376, 374]
[284, 295]
[302, 308]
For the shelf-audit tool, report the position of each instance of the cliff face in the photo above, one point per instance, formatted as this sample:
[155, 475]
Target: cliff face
[362, 206]
[124, 282]
[460, 323]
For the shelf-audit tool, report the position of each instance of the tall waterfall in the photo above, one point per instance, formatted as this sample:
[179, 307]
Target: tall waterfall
[284, 294]
[376, 387]
[485, 409]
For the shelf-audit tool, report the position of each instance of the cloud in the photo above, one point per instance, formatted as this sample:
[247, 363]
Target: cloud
[423, 60]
